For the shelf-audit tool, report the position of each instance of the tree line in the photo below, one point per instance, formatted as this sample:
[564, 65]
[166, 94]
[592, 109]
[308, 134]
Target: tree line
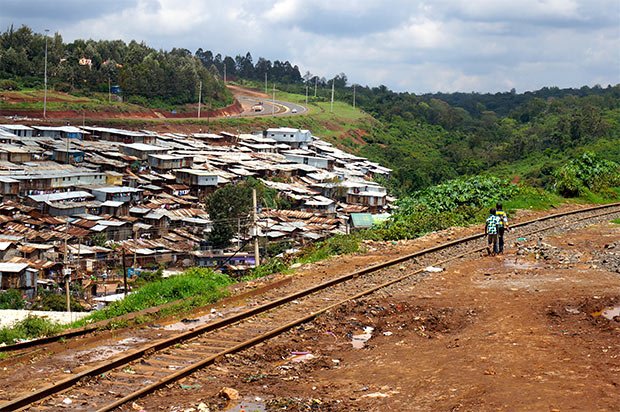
[144, 75]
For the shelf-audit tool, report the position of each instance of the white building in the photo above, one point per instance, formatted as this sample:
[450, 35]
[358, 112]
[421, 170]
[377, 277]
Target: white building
[292, 137]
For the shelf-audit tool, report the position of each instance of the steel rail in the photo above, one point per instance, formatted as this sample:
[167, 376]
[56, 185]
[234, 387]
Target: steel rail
[137, 354]
[102, 325]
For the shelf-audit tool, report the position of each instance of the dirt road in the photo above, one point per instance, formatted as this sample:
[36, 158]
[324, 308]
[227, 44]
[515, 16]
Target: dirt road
[517, 332]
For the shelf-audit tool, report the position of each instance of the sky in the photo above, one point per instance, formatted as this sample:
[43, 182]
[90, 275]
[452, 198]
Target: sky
[416, 46]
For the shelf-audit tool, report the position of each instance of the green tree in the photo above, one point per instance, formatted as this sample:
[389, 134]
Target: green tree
[227, 206]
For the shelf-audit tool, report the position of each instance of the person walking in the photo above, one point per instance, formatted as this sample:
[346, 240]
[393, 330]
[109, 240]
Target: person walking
[502, 226]
[490, 230]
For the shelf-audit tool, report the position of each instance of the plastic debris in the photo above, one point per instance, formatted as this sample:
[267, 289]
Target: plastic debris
[375, 395]
[301, 356]
[188, 387]
[433, 269]
[359, 341]
[229, 393]
[202, 407]
[67, 401]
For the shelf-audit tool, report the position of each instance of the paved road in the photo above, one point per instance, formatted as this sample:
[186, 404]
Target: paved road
[270, 107]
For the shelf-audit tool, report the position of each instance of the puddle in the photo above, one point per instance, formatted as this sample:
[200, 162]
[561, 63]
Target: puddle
[105, 352]
[248, 405]
[359, 341]
[187, 324]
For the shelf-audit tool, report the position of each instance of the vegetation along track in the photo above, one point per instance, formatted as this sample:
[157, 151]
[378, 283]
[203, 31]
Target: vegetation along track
[120, 380]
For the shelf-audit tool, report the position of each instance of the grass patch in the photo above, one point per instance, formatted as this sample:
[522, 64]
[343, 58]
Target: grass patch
[337, 245]
[273, 265]
[535, 199]
[30, 328]
[616, 221]
[195, 287]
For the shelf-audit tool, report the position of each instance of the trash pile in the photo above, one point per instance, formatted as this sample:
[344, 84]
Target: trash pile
[609, 257]
[547, 252]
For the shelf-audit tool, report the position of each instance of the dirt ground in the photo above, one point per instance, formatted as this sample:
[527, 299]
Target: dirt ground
[523, 331]
[59, 116]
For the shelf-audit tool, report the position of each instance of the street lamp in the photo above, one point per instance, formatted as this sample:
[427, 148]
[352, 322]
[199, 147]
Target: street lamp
[45, 78]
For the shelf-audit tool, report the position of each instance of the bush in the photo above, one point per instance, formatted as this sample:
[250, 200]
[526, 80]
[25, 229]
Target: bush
[586, 173]
[50, 301]
[417, 221]
[456, 202]
[474, 192]
[274, 265]
[29, 328]
[12, 299]
[63, 87]
[9, 85]
[337, 245]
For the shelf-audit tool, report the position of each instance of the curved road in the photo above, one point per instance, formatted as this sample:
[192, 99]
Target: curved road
[270, 107]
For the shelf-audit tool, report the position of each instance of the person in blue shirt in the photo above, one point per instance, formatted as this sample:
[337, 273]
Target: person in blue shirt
[490, 230]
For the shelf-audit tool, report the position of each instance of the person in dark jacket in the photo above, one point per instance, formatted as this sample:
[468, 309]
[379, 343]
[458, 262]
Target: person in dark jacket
[502, 226]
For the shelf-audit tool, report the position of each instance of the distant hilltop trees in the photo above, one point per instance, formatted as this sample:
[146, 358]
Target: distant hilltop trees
[140, 72]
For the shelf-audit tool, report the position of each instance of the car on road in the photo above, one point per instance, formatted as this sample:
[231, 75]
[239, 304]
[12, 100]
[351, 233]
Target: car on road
[294, 111]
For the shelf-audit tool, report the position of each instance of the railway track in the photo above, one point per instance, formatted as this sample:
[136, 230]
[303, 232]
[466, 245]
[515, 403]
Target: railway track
[115, 382]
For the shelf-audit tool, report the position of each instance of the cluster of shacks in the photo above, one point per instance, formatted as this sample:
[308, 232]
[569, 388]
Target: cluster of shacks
[81, 198]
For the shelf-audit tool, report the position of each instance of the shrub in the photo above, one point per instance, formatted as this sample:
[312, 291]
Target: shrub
[273, 265]
[337, 245]
[587, 172]
[63, 87]
[456, 202]
[50, 301]
[8, 84]
[29, 328]
[12, 299]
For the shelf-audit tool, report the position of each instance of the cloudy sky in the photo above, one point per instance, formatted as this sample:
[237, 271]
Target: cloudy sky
[408, 45]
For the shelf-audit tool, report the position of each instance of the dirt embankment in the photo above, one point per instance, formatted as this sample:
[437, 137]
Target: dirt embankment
[111, 113]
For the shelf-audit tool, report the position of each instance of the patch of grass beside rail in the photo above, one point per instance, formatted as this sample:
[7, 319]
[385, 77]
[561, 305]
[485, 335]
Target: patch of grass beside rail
[195, 287]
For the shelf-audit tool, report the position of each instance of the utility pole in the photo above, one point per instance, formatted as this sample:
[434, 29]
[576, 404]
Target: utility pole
[77, 270]
[316, 80]
[238, 232]
[66, 270]
[124, 272]
[224, 72]
[255, 222]
[331, 107]
[354, 95]
[199, 97]
[135, 247]
[45, 79]
[273, 101]
[109, 90]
